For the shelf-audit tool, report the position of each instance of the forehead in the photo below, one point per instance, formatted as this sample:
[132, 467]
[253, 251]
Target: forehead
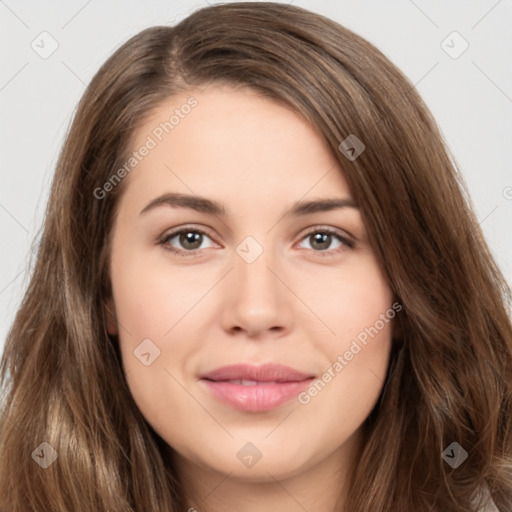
[224, 142]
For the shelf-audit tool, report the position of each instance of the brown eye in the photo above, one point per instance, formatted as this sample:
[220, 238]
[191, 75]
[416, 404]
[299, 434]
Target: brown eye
[188, 240]
[321, 240]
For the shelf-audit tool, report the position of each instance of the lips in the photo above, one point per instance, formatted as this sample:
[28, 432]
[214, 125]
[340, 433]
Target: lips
[255, 388]
[265, 373]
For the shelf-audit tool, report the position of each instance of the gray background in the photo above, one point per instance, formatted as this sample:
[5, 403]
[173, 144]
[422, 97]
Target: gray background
[470, 96]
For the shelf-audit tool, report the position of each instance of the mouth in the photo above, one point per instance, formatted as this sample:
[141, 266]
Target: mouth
[255, 389]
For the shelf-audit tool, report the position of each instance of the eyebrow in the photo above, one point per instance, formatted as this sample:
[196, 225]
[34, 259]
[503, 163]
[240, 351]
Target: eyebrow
[211, 207]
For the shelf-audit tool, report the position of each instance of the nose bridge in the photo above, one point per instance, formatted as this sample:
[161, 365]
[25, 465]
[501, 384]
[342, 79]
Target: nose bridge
[252, 264]
[257, 298]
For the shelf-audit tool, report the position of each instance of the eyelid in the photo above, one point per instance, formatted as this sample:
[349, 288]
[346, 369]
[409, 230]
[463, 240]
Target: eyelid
[188, 227]
[342, 233]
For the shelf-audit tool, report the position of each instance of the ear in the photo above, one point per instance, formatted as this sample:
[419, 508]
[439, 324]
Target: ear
[110, 316]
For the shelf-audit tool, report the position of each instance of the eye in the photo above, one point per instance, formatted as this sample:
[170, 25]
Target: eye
[189, 238]
[321, 238]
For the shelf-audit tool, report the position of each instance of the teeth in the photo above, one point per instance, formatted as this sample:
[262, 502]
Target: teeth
[241, 382]
[249, 383]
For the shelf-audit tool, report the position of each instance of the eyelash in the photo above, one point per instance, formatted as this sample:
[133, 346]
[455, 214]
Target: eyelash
[164, 241]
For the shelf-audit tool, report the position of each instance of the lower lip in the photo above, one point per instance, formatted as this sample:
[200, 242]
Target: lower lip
[264, 397]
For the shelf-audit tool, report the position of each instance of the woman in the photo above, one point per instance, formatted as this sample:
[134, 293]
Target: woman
[371, 372]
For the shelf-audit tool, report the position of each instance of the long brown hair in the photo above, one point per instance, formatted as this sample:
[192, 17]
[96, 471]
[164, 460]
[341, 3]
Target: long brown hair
[449, 381]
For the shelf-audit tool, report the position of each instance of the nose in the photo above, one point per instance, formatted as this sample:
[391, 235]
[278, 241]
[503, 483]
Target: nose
[258, 300]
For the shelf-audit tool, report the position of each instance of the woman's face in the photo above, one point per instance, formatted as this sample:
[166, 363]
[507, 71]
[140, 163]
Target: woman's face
[251, 285]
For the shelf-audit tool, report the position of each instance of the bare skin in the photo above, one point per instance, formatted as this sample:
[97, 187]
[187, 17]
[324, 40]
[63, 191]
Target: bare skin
[300, 303]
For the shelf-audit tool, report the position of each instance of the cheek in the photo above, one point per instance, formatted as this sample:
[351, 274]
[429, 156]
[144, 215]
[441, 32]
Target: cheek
[351, 303]
[150, 296]
[358, 310]
[154, 308]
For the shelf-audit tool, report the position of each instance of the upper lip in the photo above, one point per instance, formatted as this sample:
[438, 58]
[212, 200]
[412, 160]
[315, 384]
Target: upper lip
[265, 373]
